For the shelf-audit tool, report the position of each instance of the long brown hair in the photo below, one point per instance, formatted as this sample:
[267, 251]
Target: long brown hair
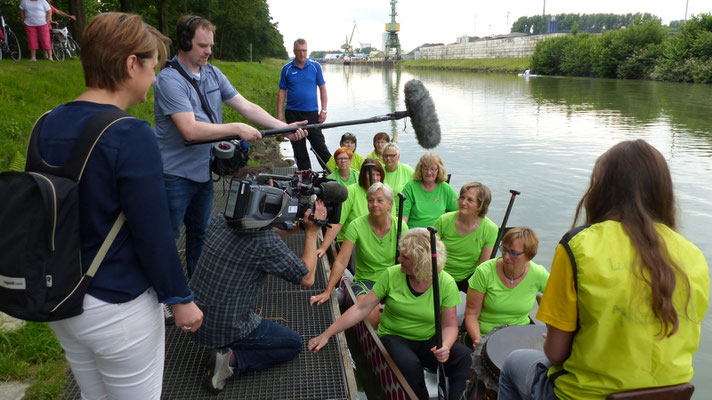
[631, 184]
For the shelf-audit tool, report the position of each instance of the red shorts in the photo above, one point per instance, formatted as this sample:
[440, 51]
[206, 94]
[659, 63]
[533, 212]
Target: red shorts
[43, 32]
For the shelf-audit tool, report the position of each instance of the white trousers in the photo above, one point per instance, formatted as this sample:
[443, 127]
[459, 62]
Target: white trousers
[116, 351]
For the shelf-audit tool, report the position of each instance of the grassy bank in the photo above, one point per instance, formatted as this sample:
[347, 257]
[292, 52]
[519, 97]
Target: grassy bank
[508, 65]
[28, 89]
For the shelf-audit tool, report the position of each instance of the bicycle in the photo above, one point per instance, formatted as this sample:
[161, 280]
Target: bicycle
[63, 44]
[8, 40]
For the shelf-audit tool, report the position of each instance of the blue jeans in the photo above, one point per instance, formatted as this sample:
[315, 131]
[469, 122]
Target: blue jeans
[189, 203]
[524, 376]
[268, 344]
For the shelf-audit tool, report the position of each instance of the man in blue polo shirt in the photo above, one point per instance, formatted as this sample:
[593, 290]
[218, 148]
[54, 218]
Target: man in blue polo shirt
[298, 83]
[180, 116]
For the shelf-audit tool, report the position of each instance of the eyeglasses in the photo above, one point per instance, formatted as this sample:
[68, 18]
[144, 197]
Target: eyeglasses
[433, 169]
[512, 253]
[342, 159]
[389, 156]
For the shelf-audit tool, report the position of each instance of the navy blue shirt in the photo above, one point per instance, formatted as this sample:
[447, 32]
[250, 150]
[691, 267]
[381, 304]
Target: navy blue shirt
[125, 173]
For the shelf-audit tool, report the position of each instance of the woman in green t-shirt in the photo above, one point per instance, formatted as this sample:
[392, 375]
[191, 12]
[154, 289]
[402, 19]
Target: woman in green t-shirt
[344, 174]
[354, 206]
[407, 328]
[468, 234]
[380, 140]
[348, 140]
[428, 195]
[374, 236]
[503, 290]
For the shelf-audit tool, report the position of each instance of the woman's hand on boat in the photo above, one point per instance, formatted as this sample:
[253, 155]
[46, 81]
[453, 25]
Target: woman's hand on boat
[321, 298]
[441, 354]
[321, 251]
[476, 341]
[316, 344]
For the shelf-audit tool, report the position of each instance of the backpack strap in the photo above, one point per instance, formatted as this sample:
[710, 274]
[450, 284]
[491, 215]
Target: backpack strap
[204, 104]
[78, 158]
[99, 257]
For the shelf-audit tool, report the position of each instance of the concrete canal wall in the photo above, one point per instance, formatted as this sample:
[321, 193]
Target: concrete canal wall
[505, 47]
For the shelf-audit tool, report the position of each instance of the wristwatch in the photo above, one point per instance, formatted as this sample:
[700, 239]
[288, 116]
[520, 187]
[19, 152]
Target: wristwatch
[324, 111]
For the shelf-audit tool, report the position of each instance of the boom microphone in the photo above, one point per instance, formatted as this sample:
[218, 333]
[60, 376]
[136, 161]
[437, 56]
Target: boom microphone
[420, 108]
[332, 192]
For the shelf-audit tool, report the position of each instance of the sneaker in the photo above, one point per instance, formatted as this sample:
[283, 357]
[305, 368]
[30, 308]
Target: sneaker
[218, 369]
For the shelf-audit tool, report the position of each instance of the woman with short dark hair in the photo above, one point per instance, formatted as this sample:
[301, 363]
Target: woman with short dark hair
[349, 141]
[627, 294]
[116, 346]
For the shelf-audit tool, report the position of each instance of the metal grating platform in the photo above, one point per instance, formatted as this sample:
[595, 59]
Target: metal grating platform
[327, 375]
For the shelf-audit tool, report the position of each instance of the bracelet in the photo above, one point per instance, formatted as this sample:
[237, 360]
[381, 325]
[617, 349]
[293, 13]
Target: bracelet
[324, 111]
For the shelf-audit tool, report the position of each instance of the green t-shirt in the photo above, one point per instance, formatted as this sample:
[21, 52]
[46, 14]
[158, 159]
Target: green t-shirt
[406, 315]
[423, 208]
[353, 207]
[356, 162]
[501, 304]
[353, 177]
[375, 157]
[373, 254]
[398, 178]
[464, 252]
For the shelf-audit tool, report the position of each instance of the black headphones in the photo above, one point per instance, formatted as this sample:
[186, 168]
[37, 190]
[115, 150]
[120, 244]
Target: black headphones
[185, 41]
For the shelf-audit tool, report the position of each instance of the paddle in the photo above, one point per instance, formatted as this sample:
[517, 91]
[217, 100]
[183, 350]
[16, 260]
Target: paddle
[442, 379]
[321, 162]
[504, 223]
[401, 199]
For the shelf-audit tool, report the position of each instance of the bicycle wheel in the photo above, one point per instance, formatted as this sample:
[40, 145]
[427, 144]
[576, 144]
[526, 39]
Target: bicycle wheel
[14, 45]
[57, 49]
[73, 47]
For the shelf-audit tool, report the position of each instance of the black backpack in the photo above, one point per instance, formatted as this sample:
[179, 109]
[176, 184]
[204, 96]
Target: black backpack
[41, 275]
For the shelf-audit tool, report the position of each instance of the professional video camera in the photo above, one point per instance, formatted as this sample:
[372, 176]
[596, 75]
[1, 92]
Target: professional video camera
[254, 204]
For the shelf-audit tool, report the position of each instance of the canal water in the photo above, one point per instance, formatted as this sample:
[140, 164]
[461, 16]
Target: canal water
[541, 136]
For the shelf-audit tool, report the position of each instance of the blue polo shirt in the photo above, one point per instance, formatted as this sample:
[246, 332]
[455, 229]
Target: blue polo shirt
[301, 84]
[173, 94]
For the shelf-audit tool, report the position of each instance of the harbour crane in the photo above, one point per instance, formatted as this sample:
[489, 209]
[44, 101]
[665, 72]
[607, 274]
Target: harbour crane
[347, 43]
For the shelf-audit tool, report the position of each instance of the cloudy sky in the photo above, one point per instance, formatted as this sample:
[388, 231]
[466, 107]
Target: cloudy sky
[325, 24]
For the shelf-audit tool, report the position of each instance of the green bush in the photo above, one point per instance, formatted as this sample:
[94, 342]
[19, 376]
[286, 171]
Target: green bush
[548, 55]
[578, 56]
[686, 56]
[617, 46]
[641, 63]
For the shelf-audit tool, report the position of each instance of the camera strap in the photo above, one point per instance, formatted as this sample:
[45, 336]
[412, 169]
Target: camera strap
[194, 82]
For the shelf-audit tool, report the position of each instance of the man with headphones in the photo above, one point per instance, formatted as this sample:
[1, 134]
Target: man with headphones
[188, 106]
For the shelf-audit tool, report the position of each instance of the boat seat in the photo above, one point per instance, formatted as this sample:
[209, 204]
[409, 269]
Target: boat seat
[682, 391]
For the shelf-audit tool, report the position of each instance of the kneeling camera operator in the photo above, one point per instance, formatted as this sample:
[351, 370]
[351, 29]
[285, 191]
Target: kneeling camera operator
[243, 246]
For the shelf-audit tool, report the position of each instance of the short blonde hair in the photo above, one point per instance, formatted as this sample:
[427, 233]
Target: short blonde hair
[109, 39]
[416, 244]
[430, 159]
[529, 239]
[387, 191]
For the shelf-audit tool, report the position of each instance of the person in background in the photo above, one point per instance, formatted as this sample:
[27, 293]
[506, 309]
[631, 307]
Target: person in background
[56, 10]
[298, 83]
[116, 346]
[348, 140]
[468, 233]
[428, 195]
[503, 290]
[180, 117]
[37, 15]
[379, 140]
[345, 174]
[628, 267]
[407, 328]
[397, 173]
[374, 236]
[356, 204]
